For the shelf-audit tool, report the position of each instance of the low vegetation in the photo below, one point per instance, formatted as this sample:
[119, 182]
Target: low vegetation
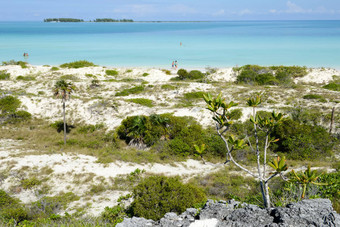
[77, 64]
[142, 102]
[133, 90]
[274, 75]
[4, 75]
[13, 62]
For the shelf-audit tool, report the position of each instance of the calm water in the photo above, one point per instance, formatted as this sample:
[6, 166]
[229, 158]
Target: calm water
[215, 44]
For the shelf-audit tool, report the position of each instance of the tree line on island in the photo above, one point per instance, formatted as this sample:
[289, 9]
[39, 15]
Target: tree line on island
[81, 20]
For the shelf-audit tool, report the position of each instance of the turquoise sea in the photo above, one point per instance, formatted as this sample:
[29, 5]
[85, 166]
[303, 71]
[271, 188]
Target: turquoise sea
[192, 44]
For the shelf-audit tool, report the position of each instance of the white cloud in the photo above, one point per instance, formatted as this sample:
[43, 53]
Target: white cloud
[244, 12]
[293, 8]
[219, 13]
[273, 11]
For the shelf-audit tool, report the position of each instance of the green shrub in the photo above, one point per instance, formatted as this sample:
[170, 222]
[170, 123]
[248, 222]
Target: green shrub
[134, 90]
[54, 68]
[30, 183]
[4, 75]
[13, 62]
[332, 86]
[19, 116]
[274, 75]
[111, 72]
[303, 142]
[6, 200]
[114, 215]
[90, 128]
[142, 101]
[192, 75]
[77, 64]
[52, 205]
[145, 74]
[332, 189]
[26, 78]
[312, 96]
[194, 95]
[168, 87]
[235, 114]
[157, 195]
[167, 72]
[182, 74]
[195, 75]
[9, 104]
[59, 126]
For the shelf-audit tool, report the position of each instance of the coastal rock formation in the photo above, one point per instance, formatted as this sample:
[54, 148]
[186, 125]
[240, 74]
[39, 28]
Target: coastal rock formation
[314, 212]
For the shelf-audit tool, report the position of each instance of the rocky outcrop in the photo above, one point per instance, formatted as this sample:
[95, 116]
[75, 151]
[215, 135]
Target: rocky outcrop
[314, 212]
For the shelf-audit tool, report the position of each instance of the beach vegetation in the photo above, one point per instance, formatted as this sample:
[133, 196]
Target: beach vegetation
[26, 78]
[334, 86]
[185, 75]
[158, 195]
[54, 68]
[77, 64]
[4, 75]
[273, 75]
[95, 83]
[312, 96]
[220, 110]
[166, 71]
[63, 90]
[9, 113]
[142, 101]
[111, 72]
[13, 62]
[300, 141]
[168, 87]
[145, 74]
[129, 91]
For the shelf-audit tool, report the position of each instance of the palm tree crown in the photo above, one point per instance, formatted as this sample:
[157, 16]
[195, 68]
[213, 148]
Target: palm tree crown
[63, 89]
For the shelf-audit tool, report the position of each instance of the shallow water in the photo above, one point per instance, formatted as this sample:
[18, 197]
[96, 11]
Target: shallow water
[214, 44]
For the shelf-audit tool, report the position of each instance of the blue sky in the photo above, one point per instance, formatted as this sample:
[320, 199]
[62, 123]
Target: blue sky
[25, 10]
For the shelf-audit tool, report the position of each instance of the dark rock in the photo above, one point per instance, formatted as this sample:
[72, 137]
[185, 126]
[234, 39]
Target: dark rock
[136, 222]
[316, 212]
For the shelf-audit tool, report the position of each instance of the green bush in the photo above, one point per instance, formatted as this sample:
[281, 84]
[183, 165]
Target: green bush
[142, 101]
[4, 75]
[182, 74]
[235, 114]
[332, 189]
[6, 200]
[145, 74]
[194, 95]
[114, 214]
[84, 129]
[303, 142]
[59, 126]
[111, 72]
[195, 75]
[13, 62]
[26, 78]
[77, 64]
[30, 183]
[134, 90]
[274, 75]
[157, 195]
[9, 104]
[54, 68]
[312, 96]
[192, 75]
[168, 87]
[332, 86]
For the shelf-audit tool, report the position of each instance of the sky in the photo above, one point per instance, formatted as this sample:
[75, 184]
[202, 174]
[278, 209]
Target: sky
[174, 10]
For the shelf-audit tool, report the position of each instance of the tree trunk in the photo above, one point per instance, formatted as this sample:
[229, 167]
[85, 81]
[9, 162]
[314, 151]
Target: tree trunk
[267, 204]
[64, 122]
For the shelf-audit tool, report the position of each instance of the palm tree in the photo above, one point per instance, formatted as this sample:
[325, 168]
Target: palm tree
[63, 89]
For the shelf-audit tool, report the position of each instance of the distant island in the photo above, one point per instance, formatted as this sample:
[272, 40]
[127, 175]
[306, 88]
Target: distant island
[63, 20]
[81, 20]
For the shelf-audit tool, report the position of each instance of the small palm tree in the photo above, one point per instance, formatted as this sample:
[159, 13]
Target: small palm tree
[63, 90]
